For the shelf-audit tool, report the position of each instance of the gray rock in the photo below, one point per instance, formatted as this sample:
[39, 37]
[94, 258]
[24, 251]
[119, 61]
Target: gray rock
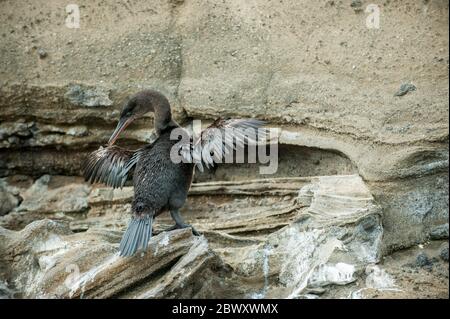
[315, 290]
[9, 198]
[13, 132]
[5, 291]
[88, 96]
[42, 199]
[444, 253]
[439, 232]
[77, 131]
[42, 53]
[422, 260]
[405, 88]
[51, 262]
[356, 5]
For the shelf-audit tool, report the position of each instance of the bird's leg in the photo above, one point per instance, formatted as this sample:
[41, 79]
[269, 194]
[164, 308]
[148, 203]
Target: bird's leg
[179, 222]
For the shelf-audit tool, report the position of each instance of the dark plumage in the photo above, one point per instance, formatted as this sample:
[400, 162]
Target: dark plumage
[160, 184]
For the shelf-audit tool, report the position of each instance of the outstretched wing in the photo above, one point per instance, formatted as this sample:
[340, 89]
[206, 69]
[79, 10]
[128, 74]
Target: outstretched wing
[110, 165]
[221, 138]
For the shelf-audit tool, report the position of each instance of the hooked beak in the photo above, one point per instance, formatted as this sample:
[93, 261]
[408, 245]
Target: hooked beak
[123, 123]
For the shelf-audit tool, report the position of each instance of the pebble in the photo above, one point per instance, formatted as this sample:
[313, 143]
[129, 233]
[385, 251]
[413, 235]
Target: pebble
[42, 53]
[405, 88]
[439, 232]
[444, 254]
[356, 5]
[287, 118]
[422, 260]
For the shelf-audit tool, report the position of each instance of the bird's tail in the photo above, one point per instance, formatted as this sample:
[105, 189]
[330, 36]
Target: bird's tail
[136, 236]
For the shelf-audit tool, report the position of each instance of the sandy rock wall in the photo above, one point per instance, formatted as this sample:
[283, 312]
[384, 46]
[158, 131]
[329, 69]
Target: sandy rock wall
[312, 68]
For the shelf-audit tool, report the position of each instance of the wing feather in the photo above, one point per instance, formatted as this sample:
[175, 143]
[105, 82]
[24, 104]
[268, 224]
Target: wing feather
[220, 139]
[110, 165]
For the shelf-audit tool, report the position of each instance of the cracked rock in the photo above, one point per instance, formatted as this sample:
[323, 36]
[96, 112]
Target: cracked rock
[88, 97]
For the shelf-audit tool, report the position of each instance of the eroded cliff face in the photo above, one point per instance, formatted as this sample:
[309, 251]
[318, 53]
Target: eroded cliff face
[261, 238]
[296, 237]
[312, 69]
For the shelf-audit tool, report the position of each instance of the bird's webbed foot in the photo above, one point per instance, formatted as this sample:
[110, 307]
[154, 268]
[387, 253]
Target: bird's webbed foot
[180, 224]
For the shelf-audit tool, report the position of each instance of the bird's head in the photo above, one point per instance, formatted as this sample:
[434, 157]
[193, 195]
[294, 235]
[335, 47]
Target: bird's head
[138, 105]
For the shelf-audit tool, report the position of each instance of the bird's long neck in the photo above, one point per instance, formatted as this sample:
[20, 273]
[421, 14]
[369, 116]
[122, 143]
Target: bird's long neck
[163, 117]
